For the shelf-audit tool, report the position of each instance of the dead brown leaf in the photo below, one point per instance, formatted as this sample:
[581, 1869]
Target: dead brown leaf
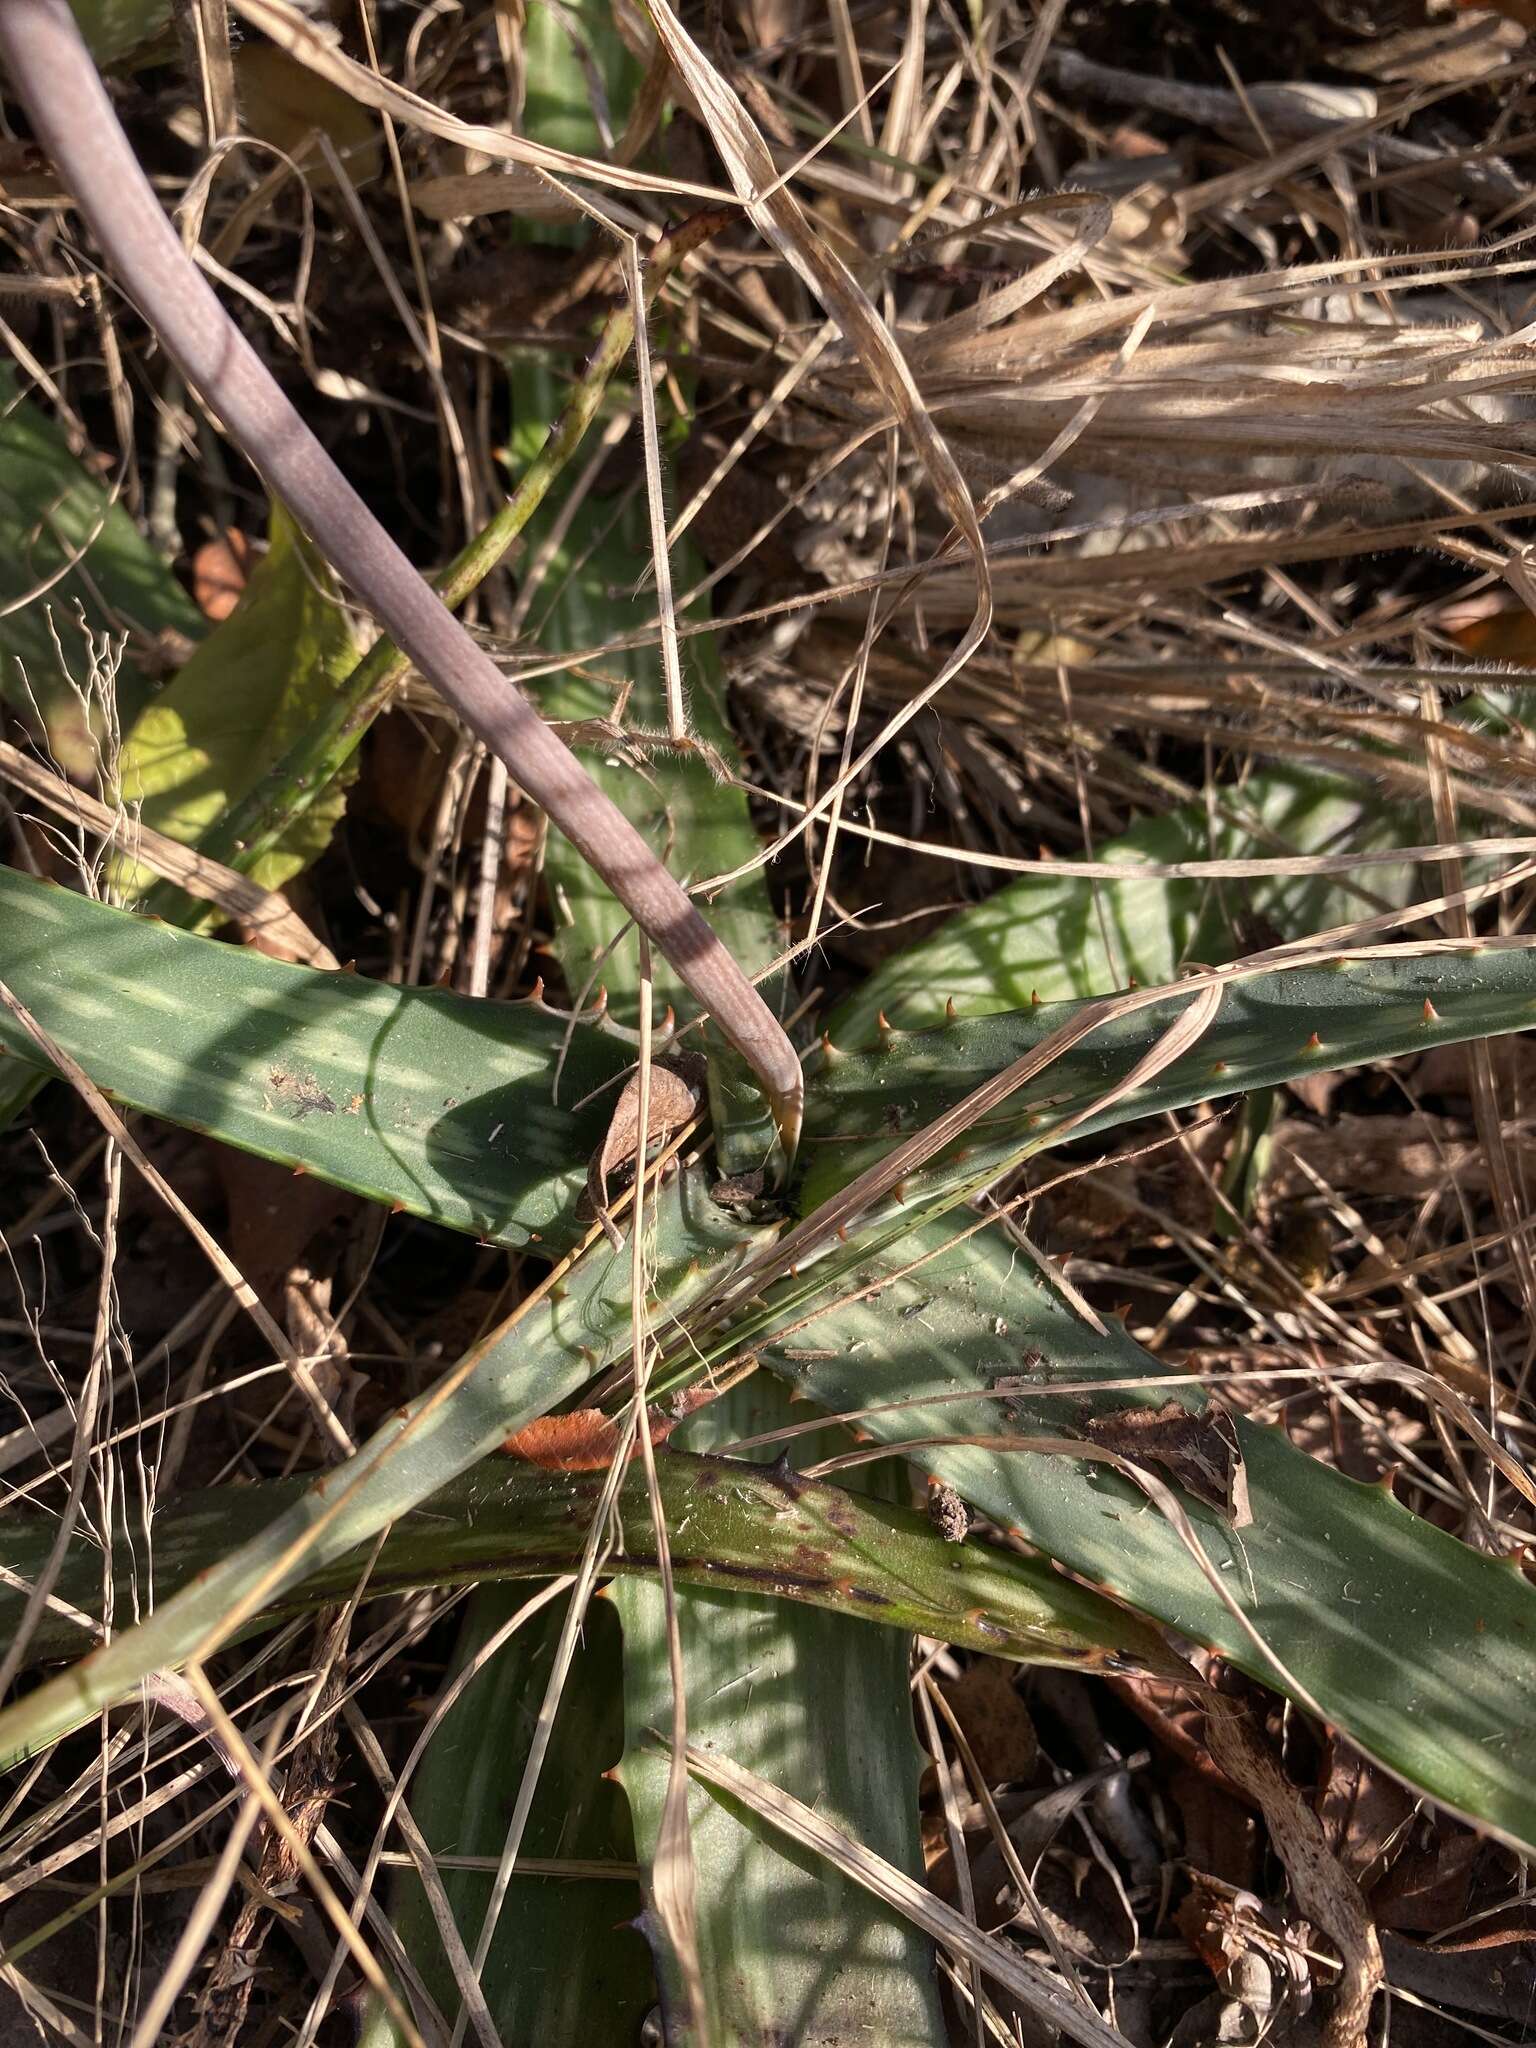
[674, 1096]
[1198, 1450]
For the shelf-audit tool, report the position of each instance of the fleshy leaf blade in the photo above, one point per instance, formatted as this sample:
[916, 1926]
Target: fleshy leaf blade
[415, 1097]
[1058, 937]
[1415, 1646]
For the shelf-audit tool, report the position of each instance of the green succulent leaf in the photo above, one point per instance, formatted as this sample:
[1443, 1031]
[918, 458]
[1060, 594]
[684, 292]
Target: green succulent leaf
[460, 1798]
[749, 1891]
[1055, 937]
[1273, 1026]
[823, 1707]
[248, 691]
[1416, 1647]
[429, 1101]
[72, 565]
[742, 1529]
[116, 29]
[676, 798]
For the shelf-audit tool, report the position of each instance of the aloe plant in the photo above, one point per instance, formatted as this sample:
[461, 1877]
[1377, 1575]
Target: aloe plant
[809, 1699]
[530, 1364]
[814, 1671]
[74, 117]
[1275, 1023]
[945, 1346]
[118, 29]
[568, 1962]
[415, 1098]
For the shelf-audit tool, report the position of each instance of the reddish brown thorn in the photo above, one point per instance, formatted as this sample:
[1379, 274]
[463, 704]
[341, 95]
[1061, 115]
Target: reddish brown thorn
[1431, 1014]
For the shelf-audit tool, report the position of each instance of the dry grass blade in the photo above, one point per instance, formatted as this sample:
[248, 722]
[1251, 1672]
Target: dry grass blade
[674, 1880]
[779, 218]
[1233, 870]
[1324, 1890]
[1185, 1032]
[264, 911]
[466, 1977]
[208, 1904]
[1044, 1996]
[87, 1411]
[655, 500]
[256, 1779]
[319, 52]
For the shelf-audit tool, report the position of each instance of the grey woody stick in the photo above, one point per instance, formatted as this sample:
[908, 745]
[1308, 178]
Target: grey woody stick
[52, 72]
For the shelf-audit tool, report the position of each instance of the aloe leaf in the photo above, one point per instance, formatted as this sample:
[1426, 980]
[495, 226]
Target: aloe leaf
[1055, 937]
[520, 1371]
[745, 1529]
[565, 1964]
[1273, 1026]
[248, 691]
[428, 1101]
[1414, 1646]
[54, 514]
[814, 1700]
